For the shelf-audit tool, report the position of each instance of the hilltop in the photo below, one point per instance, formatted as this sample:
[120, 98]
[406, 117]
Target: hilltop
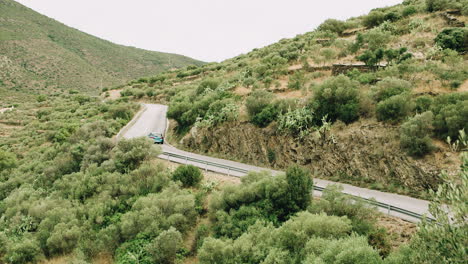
[369, 101]
[40, 54]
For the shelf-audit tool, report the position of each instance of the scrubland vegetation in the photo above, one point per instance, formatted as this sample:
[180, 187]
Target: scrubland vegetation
[415, 82]
[69, 189]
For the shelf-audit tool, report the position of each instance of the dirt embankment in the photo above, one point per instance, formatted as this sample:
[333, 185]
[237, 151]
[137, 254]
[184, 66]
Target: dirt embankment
[366, 153]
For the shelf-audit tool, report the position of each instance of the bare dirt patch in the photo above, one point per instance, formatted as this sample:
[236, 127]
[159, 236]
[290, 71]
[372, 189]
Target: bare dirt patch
[292, 94]
[114, 94]
[242, 91]
[463, 87]
[400, 231]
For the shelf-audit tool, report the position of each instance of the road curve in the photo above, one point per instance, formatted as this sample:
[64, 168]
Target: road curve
[153, 119]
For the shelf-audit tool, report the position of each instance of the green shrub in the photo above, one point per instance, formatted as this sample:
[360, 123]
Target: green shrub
[337, 99]
[375, 38]
[415, 134]
[188, 175]
[130, 153]
[333, 25]
[41, 98]
[389, 87]
[203, 231]
[7, 161]
[409, 10]
[450, 118]
[24, 251]
[423, 103]
[257, 101]
[371, 57]
[453, 38]
[373, 19]
[394, 108]
[296, 81]
[234, 223]
[297, 122]
[211, 84]
[152, 214]
[437, 5]
[164, 248]
[266, 116]
[300, 187]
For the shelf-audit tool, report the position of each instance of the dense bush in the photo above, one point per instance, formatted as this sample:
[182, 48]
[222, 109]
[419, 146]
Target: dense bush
[450, 114]
[389, 87]
[422, 103]
[129, 154]
[436, 5]
[257, 101]
[415, 134]
[305, 238]
[207, 84]
[373, 19]
[337, 99]
[188, 175]
[186, 109]
[395, 108]
[7, 161]
[266, 116]
[163, 249]
[333, 25]
[453, 38]
[276, 198]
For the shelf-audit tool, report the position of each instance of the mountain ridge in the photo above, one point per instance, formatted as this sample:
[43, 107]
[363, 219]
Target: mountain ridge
[39, 53]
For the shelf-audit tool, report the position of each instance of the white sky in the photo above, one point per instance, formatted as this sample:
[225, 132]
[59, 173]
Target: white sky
[208, 30]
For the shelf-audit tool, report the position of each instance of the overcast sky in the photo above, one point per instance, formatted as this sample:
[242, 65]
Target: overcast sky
[208, 30]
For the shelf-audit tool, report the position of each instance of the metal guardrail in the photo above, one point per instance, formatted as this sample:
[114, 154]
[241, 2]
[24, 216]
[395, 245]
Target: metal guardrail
[386, 206]
[207, 163]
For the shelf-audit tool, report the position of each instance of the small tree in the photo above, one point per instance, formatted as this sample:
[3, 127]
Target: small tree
[300, 187]
[394, 108]
[130, 153]
[7, 161]
[415, 134]
[257, 101]
[373, 19]
[371, 57]
[389, 87]
[188, 175]
[338, 99]
[453, 38]
[163, 249]
[333, 25]
[266, 116]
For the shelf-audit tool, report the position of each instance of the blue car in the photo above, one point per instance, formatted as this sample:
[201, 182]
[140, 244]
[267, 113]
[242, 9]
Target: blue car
[158, 138]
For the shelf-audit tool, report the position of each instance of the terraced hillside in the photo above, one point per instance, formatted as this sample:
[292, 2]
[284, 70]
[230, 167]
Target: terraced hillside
[369, 101]
[40, 54]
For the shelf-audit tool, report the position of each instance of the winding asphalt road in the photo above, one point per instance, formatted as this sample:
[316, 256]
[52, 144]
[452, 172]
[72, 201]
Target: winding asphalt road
[152, 118]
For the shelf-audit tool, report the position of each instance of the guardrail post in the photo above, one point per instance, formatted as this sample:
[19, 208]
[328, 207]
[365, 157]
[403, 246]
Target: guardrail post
[206, 166]
[186, 160]
[168, 157]
[229, 171]
[388, 209]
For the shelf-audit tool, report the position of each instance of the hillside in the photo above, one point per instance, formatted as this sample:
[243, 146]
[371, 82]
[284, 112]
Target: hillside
[40, 54]
[368, 101]
[71, 193]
